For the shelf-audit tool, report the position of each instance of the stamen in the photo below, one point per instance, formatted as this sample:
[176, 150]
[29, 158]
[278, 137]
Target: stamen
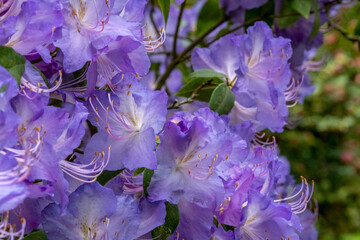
[26, 154]
[119, 126]
[291, 92]
[8, 230]
[258, 142]
[71, 84]
[299, 200]
[251, 73]
[151, 45]
[86, 172]
[133, 185]
[28, 86]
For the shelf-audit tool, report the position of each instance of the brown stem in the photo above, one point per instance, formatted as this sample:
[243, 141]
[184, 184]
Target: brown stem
[177, 29]
[177, 60]
[190, 99]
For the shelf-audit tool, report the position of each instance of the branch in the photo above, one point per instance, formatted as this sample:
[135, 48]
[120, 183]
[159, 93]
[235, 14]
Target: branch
[177, 104]
[235, 29]
[343, 32]
[177, 29]
[177, 60]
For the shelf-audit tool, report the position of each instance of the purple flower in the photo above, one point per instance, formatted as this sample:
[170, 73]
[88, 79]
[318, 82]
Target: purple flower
[8, 119]
[12, 193]
[236, 9]
[218, 233]
[300, 33]
[32, 83]
[263, 219]
[232, 5]
[308, 220]
[37, 25]
[10, 8]
[127, 120]
[130, 10]
[263, 79]
[195, 221]
[9, 230]
[223, 57]
[191, 148]
[93, 212]
[90, 26]
[125, 55]
[257, 69]
[230, 210]
[152, 214]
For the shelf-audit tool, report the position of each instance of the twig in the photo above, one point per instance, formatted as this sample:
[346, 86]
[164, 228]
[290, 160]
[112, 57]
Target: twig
[235, 29]
[177, 29]
[190, 99]
[343, 32]
[160, 53]
[177, 60]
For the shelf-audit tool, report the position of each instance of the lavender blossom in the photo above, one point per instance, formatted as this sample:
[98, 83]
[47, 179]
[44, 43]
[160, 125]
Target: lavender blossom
[190, 151]
[127, 120]
[93, 212]
[257, 68]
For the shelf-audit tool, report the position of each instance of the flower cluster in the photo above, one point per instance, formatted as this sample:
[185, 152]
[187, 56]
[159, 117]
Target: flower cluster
[78, 104]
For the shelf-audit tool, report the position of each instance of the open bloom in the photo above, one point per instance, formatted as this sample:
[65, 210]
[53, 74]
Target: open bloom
[94, 212]
[257, 70]
[36, 27]
[264, 219]
[90, 26]
[191, 149]
[127, 119]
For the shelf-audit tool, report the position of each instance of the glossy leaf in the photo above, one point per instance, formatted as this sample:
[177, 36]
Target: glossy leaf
[316, 25]
[148, 173]
[302, 6]
[13, 62]
[139, 171]
[3, 88]
[206, 73]
[165, 8]
[203, 82]
[106, 176]
[37, 235]
[172, 219]
[288, 15]
[222, 99]
[209, 16]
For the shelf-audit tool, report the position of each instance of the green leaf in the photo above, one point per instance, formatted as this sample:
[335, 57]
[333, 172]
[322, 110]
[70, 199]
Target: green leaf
[3, 88]
[139, 171]
[206, 73]
[165, 8]
[289, 16]
[42, 76]
[172, 219]
[302, 6]
[209, 16]
[222, 99]
[357, 28]
[357, 31]
[13, 62]
[147, 179]
[205, 79]
[265, 12]
[316, 26]
[37, 235]
[106, 176]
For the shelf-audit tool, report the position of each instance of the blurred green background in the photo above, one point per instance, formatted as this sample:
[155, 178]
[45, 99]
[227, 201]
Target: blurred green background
[325, 145]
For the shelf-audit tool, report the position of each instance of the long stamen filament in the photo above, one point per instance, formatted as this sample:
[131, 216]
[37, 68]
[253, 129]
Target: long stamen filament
[86, 172]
